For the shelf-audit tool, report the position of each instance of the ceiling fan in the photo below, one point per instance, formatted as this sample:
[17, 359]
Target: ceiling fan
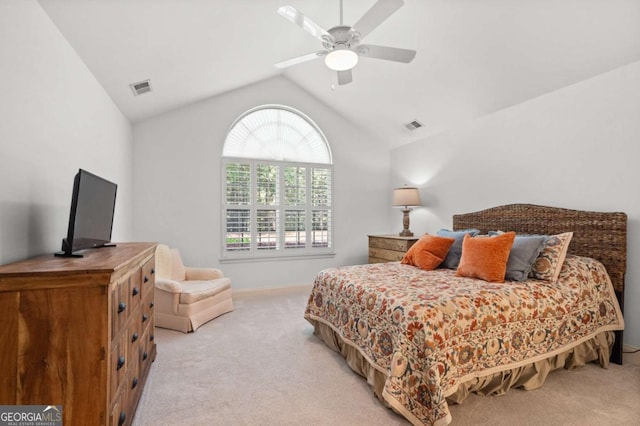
[341, 43]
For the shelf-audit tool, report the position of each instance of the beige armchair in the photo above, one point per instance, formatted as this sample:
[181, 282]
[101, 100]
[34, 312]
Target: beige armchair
[186, 298]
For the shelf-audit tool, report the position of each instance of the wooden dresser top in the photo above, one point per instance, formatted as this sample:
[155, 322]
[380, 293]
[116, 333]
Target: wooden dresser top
[101, 261]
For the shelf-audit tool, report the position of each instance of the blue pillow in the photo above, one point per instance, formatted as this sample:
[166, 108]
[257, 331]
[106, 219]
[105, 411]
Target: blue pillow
[455, 252]
[524, 252]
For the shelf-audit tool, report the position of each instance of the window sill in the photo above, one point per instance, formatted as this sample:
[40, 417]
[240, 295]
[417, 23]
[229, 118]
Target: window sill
[246, 259]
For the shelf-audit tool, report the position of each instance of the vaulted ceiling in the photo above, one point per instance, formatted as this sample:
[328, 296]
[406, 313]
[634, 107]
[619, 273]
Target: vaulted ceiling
[474, 57]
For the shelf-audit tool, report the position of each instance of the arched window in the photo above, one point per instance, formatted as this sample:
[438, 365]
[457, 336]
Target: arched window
[277, 186]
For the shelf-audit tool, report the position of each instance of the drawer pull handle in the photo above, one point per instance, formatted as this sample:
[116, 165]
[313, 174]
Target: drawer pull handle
[134, 383]
[144, 317]
[135, 291]
[145, 355]
[151, 305]
[121, 361]
[122, 418]
[151, 338]
[146, 279]
[153, 271]
[121, 307]
[134, 337]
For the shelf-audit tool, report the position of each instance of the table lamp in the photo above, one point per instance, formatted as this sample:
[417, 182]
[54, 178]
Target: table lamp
[406, 197]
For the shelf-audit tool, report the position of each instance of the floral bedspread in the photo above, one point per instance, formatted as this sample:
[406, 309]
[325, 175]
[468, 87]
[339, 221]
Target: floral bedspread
[430, 331]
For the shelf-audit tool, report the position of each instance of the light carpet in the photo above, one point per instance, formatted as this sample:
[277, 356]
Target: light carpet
[262, 365]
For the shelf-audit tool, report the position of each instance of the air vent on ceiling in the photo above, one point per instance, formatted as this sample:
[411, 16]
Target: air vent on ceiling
[141, 87]
[413, 125]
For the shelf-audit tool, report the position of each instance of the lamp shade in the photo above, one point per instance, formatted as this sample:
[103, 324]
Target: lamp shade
[341, 59]
[407, 196]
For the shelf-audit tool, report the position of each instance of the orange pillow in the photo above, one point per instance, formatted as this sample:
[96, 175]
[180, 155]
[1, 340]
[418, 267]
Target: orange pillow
[428, 252]
[486, 258]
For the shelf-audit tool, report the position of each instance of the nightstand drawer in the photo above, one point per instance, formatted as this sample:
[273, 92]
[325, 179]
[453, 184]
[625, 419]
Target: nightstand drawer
[390, 243]
[388, 255]
[388, 248]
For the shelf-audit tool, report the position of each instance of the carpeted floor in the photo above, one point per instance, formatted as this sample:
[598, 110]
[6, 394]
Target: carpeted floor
[262, 365]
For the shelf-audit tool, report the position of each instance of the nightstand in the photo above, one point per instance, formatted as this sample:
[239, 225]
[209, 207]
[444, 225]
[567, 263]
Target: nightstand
[388, 248]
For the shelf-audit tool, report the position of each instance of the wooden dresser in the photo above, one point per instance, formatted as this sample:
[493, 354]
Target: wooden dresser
[388, 248]
[78, 332]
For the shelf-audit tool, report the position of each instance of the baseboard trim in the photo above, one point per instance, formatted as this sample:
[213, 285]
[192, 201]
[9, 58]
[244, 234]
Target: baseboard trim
[273, 289]
[631, 358]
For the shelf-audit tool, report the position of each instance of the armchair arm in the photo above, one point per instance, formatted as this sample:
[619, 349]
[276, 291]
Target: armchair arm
[203, 273]
[170, 286]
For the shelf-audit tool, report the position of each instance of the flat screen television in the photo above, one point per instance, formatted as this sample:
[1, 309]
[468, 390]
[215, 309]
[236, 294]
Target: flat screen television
[93, 203]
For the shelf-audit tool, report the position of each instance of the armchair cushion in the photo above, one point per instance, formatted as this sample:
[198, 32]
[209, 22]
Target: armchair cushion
[202, 273]
[193, 291]
[170, 286]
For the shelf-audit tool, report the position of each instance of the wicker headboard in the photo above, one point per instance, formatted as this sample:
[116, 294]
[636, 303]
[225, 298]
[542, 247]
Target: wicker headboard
[602, 236]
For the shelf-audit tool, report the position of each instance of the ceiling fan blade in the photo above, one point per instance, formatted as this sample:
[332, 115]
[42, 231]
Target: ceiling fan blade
[344, 77]
[378, 13]
[387, 53]
[298, 18]
[300, 59]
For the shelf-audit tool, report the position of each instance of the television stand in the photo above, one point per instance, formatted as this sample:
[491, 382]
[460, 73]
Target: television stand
[72, 254]
[65, 254]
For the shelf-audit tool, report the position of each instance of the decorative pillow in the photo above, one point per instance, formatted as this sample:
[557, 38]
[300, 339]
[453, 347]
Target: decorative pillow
[486, 258]
[524, 252]
[549, 263]
[453, 256]
[428, 252]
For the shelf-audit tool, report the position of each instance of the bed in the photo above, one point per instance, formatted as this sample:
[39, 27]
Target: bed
[424, 339]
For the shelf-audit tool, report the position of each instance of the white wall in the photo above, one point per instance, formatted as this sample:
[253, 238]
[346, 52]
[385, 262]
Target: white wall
[576, 148]
[178, 182]
[54, 119]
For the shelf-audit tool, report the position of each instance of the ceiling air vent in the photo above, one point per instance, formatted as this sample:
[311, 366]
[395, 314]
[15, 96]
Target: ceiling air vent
[413, 125]
[141, 87]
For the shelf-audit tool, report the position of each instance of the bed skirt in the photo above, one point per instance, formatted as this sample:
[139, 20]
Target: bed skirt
[530, 376]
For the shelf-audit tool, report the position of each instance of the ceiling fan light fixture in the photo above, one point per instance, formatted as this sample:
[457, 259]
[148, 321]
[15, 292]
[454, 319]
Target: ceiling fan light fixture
[341, 59]
[341, 44]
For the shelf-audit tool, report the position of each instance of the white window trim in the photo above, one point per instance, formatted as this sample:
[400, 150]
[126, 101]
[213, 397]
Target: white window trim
[280, 253]
[288, 109]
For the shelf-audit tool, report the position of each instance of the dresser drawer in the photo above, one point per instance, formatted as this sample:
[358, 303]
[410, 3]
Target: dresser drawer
[119, 414]
[119, 360]
[135, 338]
[120, 306]
[145, 350]
[135, 291]
[147, 277]
[133, 384]
[147, 309]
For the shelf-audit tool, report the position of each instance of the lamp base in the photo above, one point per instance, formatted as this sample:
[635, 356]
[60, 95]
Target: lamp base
[405, 223]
